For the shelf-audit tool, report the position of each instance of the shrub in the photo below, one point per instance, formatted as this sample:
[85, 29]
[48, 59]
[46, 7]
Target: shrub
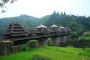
[74, 35]
[11, 47]
[39, 57]
[49, 42]
[32, 43]
[22, 48]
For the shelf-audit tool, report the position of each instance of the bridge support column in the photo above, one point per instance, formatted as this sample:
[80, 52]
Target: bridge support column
[5, 47]
[15, 49]
[55, 41]
[43, 42]
[63, 41]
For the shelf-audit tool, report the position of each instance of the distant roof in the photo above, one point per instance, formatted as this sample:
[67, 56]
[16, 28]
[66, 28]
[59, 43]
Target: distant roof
[54, 26]
[41, 26]
[61, 27]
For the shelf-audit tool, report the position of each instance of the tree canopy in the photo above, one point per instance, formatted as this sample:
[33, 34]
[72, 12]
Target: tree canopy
[4, 2]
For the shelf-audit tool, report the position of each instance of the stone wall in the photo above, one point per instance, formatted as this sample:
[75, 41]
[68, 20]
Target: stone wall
[1, 48]
[63, 41]
[43, 42]
[15, 49]
[55, 41]
[5, 47]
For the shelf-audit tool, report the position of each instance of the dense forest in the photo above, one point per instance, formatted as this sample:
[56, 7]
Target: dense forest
[76, 23]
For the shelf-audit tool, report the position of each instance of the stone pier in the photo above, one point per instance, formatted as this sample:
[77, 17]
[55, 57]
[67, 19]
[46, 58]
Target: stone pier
[5, 47]
[43, 42]
[63, 41]
[55, 41]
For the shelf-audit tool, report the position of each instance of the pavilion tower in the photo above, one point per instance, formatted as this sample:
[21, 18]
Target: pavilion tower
[15, 32]
[55, 38]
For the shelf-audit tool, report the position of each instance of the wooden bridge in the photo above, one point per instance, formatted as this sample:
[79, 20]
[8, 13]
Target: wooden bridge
[19, 35]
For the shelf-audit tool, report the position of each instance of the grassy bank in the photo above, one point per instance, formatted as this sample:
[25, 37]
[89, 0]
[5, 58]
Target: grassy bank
[53, 53]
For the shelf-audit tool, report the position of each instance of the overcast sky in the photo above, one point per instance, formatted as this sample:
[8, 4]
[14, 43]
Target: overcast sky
[39, 8]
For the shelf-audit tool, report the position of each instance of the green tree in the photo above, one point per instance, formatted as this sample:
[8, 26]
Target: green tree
[4, 2]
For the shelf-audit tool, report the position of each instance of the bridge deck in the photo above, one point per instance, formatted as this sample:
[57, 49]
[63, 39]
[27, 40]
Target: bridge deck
[38, 37]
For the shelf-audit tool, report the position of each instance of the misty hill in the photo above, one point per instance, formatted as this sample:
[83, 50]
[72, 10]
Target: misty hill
[76, 23]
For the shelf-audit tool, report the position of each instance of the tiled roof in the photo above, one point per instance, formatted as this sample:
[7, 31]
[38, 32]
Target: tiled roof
[53, 26]
[41, 26]
[61, 27]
